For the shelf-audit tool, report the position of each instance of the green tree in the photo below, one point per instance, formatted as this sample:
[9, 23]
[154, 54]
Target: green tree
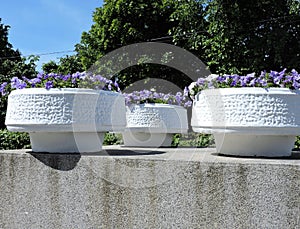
[70, 64]
[252, 35]
[6, 49]
[12, 64]
[122, 22]
[189, 25]
[50, 66]
[66, 65]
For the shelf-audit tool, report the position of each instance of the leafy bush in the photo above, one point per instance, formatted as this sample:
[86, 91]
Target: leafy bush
[14, 140]
[297, 143]
[193, 140]
[205, 140]
[112, 139]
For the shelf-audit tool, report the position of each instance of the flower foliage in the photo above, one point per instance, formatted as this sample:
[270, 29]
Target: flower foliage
[151, 96]
[54, 80]
[281, 79]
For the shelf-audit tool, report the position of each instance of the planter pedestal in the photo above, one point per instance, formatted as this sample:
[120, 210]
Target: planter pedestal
[253, 122]
[64, 142]
[67, 120]
[140, 139]
[153, 125]
[254, 145]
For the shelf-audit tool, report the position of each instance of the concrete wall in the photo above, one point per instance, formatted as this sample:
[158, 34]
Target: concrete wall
[159, 188]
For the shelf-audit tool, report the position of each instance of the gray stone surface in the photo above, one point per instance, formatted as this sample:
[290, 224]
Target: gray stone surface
[148, 188]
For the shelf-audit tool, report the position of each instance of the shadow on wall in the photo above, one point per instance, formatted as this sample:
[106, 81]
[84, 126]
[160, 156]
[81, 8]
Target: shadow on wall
[68, 161]
[63, 162]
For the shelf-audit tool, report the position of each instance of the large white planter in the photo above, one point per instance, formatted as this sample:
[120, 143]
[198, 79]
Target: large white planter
[153, 125]
[65, 120]
[249, 121]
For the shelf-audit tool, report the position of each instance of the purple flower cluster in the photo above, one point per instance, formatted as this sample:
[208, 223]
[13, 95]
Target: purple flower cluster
[99, 82]
[54, 80]
[147, 96]
[281, 79]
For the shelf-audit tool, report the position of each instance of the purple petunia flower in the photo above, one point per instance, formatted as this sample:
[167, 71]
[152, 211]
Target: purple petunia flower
[66, 77]
[34, 81]
[51, 80]
[186, 91]
[296, 84]
[76, 75]
[14, 82]
[49, 85]
[17, 83]
[40, 75]
[3, 88]
[166, 97]
[116, 84]
[221, 79]
[178, 98]
[146, 96]
[288, 79]
[45, 76]
[200, 82]
[188, 103]
[51, 75]
[235, 80]
[252, 83]
[262, 82]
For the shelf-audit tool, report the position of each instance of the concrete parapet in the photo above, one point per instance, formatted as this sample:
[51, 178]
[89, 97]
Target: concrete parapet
[148, 188]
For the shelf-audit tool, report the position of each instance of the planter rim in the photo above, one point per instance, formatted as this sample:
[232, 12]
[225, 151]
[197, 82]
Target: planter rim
[252, 90]
[246, 130]
[160, 105]
[61, 91]
[73, 127]
[155, 130]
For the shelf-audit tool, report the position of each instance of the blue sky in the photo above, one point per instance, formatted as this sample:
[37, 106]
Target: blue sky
[47, 26]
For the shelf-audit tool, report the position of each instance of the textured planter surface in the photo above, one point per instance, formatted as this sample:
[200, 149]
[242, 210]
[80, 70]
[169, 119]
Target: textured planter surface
[154, 124]
[242, 119]
[65, 120]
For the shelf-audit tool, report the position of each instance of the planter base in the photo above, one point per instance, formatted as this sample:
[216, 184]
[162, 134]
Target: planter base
[254, 145]
[141, 139]
[66, 142]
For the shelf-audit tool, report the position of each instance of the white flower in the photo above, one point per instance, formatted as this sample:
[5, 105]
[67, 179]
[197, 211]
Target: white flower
[191, 87]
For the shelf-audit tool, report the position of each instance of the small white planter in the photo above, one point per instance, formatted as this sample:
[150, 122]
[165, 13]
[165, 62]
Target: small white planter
[153, 125]
[65, 120]
[249, 121]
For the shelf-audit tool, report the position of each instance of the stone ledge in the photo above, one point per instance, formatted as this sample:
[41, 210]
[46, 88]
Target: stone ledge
[148, 188]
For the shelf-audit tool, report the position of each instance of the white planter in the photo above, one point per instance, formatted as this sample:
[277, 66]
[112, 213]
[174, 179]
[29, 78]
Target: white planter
[249, 121]
[65, 120]
[153, 125]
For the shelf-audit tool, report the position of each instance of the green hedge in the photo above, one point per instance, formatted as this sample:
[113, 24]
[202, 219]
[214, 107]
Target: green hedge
[113, 139]
[193, 140]
[297, 143]
[15, 140]
[205, 140]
